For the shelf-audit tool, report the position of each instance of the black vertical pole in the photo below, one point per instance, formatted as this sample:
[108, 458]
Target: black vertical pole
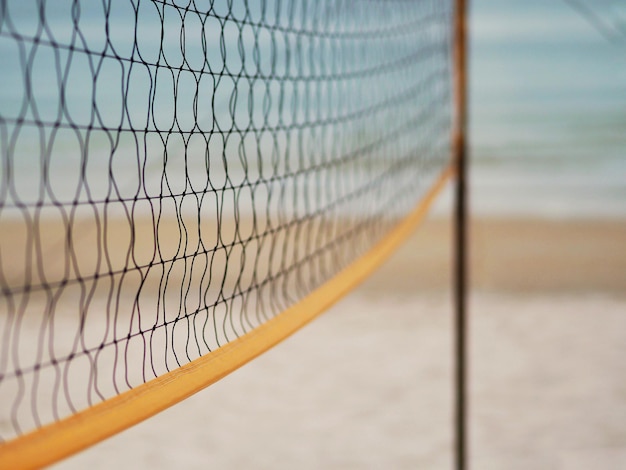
[460, 235]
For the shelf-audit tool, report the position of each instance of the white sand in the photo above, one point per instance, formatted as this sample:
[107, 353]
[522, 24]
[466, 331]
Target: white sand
[368, 386]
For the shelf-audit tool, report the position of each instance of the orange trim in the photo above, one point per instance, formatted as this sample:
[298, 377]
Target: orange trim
[63, 438]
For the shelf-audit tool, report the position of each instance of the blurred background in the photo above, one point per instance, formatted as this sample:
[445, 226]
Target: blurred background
[548, 104]
[548, 308]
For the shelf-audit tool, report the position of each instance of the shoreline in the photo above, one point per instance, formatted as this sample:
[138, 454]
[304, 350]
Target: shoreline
[511, 254]
[516, 255]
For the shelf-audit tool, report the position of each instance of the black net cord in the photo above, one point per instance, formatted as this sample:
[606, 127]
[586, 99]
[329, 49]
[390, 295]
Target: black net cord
[175, 173]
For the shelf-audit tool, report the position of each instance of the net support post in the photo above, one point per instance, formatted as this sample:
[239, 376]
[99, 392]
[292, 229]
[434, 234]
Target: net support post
[460, 277]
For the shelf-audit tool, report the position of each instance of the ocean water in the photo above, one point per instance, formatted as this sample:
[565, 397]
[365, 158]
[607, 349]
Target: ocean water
[547, 111]
[111, 100]
[547, 104]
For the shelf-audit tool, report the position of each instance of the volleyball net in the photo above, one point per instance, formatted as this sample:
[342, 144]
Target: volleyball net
[178, 177]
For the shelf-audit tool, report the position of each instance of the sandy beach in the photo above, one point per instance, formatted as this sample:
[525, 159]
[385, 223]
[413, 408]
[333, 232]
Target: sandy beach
[367, 385]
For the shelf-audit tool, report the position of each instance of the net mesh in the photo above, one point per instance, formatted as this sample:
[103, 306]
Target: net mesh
[175, 173]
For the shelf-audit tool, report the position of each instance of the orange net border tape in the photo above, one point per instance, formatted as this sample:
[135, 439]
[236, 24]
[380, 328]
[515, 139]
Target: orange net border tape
[61, 439]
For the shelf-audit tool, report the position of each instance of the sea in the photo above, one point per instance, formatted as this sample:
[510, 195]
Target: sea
[547, 126]
[547, 109]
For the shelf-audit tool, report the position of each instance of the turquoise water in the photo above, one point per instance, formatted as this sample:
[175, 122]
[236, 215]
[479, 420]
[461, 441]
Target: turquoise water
[95, 97]
[548, 112]
[547, 101]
